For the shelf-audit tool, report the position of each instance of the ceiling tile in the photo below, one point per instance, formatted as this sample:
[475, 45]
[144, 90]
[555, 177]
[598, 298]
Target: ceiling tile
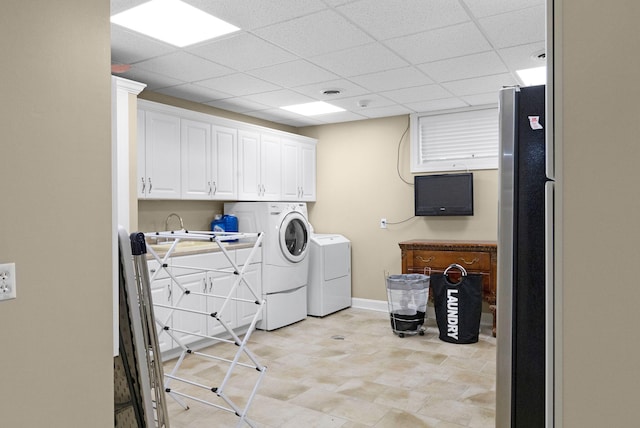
[436, 105]
[195, 93]
[153, 80]
[252, 14]
[315, 34]
[346, 88]
[392, 79]
[394, 110]
[184, 66]
[384, 19]
[281, 98]
[463, 67]
[524, 56]
[482, 99]
[237, 104]
[338, 2]
[242, 52]
[481, 8]
[449, 42]
[353, 103]
[480, 85]
[283, 116]
[294, 73]
[238, 84]
[118, 6]
[359, 60]
[515, 28]
[128, 47]
[341, 116]
[418, 93]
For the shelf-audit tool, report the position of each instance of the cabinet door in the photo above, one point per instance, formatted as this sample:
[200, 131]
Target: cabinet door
[223, 161]
[195, 148]
[162, 157]
[270, 162]
[249, 185]
[161, 294]
[246, 310]
[141, 176]
[307, 175]
[188, 321]
[290, 171]
[220, 284]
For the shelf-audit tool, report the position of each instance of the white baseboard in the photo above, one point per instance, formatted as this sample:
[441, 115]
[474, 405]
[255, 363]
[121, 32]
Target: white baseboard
[486, 318]
[372, 305]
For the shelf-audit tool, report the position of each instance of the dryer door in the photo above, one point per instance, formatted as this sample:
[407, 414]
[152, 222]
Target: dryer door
[294, 237]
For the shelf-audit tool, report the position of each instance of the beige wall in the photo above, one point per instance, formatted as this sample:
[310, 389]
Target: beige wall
[358, 184]
[55, 222]
[600, 127]
[196, 215]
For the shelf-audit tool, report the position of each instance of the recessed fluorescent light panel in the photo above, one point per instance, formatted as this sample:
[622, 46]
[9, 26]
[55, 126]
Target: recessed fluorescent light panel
[313, 109]
[173, 21]
[533, 76]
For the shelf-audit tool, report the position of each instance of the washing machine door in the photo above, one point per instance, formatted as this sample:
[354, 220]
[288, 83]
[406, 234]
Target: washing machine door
[294, 237]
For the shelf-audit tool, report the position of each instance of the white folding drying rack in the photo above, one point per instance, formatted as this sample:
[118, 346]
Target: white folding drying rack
[231, 338]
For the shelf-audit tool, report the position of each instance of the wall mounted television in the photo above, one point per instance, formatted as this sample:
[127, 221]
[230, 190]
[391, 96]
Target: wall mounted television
[444, 194]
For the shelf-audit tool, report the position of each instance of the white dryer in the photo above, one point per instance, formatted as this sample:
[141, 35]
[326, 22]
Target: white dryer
[329, 274]
[285, 265]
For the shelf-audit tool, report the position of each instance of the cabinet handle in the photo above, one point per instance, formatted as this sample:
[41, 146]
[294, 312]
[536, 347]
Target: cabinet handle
[170, 289]
[210, 285]
[204, 285]
[144, 185]
[215, 188]
[209, 184]
[150, 185]
[427, 260]
[468, 263]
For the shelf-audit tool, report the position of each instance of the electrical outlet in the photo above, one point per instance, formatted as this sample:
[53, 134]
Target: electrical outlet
[383, 223]
[7, 281]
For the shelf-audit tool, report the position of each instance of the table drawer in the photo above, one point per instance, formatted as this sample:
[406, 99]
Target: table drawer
[439, 260]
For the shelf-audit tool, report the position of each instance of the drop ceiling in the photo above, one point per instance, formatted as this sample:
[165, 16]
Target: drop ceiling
[386, 57]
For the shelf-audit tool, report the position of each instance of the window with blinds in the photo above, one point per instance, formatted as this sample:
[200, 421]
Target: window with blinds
[458, 140]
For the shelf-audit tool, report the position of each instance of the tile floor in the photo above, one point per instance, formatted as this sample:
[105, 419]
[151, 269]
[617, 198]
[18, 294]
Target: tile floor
[346, 370]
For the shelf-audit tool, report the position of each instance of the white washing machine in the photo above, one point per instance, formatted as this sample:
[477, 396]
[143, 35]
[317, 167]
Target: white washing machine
[285, 265]
[329, 288]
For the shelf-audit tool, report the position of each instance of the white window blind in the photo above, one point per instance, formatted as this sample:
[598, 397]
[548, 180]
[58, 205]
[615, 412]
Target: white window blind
[458, 140]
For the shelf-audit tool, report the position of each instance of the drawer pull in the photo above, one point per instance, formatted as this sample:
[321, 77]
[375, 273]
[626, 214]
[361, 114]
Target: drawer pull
[469, 263]
[427, 260]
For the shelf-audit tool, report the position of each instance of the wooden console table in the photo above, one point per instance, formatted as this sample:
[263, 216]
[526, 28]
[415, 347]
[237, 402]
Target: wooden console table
[475, 256]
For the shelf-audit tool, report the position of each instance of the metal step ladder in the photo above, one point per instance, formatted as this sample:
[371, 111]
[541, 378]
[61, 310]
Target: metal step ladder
[139, 398]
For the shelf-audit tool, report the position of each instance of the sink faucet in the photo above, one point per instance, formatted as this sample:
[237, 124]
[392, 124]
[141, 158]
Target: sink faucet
[166, 222]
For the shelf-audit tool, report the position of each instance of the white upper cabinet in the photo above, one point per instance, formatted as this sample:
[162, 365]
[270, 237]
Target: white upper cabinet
[159, 156]
[208, 161]
[298, 170]
[224, 159]
[270, 163]
[184, 154]
[259, 160]
[195, 147]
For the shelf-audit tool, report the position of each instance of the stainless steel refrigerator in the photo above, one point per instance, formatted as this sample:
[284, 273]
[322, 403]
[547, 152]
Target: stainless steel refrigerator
[525, 235]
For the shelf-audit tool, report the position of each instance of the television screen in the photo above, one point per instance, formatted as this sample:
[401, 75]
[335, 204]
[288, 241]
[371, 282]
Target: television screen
[444, 194]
